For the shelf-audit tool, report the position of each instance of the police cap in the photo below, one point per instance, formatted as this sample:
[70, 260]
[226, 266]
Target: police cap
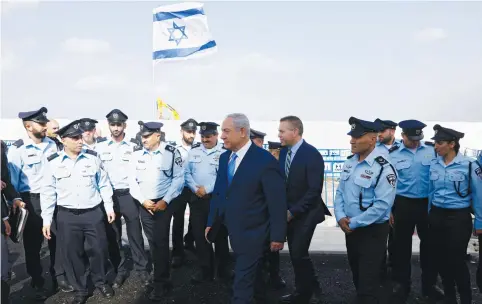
[386, 124]
[208, 128]
[412, 128]
[274, 145]
[147, 128]
[446, 134]
[361, 127]
[87, 124]
[39, 116]
[73, 129]
[116, 115]
[189, 125]
[256, 134]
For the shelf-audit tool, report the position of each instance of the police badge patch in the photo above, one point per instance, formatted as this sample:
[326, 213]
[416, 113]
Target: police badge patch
[178, 161]
[392, 179]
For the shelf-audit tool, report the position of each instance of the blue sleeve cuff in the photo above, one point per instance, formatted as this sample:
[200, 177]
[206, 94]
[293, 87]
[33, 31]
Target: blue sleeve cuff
[353, 224]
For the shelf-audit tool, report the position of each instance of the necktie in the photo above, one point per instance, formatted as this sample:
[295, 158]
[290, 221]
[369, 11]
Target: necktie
[231, 167]
[288, 163]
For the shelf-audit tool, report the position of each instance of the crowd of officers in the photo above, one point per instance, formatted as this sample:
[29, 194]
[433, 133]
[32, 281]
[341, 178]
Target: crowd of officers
[76, 190]
[388, 188]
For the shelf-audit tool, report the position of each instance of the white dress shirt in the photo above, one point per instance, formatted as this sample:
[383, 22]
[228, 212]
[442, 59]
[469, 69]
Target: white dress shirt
[241, 153]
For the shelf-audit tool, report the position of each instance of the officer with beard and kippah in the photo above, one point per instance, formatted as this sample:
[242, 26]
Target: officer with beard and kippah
[188, 133]
[74, 181]
[26, 165]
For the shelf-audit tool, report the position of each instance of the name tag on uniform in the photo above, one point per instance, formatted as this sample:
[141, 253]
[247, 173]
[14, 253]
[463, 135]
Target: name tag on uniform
[32, 158]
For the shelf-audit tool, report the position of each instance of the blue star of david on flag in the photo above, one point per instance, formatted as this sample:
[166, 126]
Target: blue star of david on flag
[177, 31]
[186, 25]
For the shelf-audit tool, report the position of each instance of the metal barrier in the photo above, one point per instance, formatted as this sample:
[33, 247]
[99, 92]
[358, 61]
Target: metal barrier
[334, 159]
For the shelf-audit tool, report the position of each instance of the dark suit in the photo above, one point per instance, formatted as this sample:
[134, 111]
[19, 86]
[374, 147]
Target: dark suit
[9, 192]
[304, 185]
[254, 211]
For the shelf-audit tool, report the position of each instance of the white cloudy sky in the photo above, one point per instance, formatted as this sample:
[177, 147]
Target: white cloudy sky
[318, 60]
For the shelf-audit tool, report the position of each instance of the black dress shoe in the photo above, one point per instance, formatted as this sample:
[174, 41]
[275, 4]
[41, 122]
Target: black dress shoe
[79, 300]
[62, 285]
[294, 298]
[177, 261]
[119, 281]
[201, 277]
[190, 247]
[434, 293]
[277, 282]
[106, 291]
[225, 274]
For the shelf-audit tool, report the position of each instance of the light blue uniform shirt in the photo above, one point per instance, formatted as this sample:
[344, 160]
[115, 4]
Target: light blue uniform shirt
[26, 163]
[156, 174]
[360, 177]
[413, 169]
[79, 183]
[384, 149]
[202, 167]
[116, 157]
[446, 179]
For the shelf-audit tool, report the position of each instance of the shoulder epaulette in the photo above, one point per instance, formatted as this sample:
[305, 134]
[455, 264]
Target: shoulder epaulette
[137, 148]
[172, 143]
[53, 156]
[393, 148]
[18, 143]
[170, 148]
[382, 161]
[196, 145]
[134, 141]
[91, 152]
[350, 156]
[429, 143]
[101, 139]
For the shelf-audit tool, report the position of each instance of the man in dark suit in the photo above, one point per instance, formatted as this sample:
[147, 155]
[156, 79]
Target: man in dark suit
[246, 198]
[303, 169]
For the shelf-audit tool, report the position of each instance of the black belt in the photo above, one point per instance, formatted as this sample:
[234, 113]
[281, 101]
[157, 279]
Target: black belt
[120, 192]
[34, 195]
[78, 211]
[451, 211]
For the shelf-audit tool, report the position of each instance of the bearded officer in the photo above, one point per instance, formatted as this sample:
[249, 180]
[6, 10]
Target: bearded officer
[115, 154]
[26, 164]
[362, 208]
[76, 182]
[201, 169]
[188, 133]
[156, 177]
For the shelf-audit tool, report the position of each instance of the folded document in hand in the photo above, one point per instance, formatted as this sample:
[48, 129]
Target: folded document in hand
[17, 220]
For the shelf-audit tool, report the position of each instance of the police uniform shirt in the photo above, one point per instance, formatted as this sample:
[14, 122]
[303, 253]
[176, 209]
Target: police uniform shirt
[446, 180]
[202, 167]
[360, 178]
[156, 174]
[76, 184]
[116, 156]
[26, 163]
[384, 149]
[89, 147]
[413, 167]
[184, 150]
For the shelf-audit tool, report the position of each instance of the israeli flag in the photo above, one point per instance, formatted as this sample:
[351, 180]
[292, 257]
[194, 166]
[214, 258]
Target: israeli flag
[180, 31]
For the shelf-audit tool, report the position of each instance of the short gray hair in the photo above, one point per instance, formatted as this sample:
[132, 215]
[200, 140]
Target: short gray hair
[240, 121]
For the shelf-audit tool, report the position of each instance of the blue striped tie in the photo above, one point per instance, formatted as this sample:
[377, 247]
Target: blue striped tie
[231, 167]
[288, 163]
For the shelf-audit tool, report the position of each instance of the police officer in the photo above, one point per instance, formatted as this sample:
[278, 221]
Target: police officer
[386, 136]
[362, 208]
[272, 257]
[156, 177]
[412, 160]
[201, 170]
[88, 125]
[455, 190]
[26, 164]
[188, 133]
[274, 148]
[115, 154]
[74, 180]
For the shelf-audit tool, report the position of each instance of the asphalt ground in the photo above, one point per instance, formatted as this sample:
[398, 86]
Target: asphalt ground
[332, 269]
